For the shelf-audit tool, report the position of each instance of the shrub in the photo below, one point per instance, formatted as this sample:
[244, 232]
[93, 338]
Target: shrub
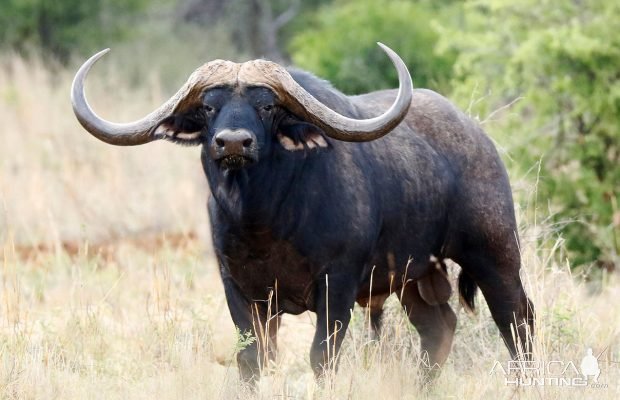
[562, 57]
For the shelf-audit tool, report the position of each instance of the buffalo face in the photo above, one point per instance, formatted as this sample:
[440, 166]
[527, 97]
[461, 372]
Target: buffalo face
[240, 127]
[236, 125]
[243, 128]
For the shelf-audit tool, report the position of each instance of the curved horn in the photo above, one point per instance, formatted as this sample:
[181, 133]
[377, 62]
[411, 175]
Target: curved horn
[143, 130]
[348, 129]
[129, 134]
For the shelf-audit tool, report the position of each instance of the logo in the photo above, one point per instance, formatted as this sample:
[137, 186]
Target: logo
[551, 373]
[589, 366]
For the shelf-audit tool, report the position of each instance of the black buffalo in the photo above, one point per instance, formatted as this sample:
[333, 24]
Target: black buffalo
[310, 202]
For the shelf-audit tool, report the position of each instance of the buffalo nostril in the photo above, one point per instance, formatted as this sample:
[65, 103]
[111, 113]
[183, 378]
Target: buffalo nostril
[220, 142]
[247, 142]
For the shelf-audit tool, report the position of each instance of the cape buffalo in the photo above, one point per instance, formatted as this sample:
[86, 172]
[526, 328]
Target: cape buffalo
[319, 200]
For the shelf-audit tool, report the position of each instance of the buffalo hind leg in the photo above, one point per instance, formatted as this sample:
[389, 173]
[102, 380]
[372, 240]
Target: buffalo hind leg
[513, 313]
[503, 291]
[435, 325]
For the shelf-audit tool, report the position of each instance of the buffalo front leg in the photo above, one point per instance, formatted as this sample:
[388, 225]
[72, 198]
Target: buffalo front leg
[334, 299]
[258, 330]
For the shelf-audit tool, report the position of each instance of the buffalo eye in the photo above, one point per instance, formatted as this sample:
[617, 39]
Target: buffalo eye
[267, 109]
[208, 109]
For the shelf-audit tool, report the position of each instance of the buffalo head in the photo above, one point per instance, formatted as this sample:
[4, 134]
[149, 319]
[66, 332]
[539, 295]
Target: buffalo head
[240, 111]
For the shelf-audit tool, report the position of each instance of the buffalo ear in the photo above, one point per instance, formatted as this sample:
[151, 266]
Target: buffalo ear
[296, 135]
[183, 129]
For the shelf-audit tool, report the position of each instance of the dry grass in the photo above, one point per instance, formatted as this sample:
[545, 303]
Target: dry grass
[107, 291]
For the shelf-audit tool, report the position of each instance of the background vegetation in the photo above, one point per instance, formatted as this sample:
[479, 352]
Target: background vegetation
[558, 62]
[544, 72]
[108, 283]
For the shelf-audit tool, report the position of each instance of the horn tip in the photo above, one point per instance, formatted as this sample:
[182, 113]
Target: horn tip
[102, 52]
[386, 49]
[99, 54]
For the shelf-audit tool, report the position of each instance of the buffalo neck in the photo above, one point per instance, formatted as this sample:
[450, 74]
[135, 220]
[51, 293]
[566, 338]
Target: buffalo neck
[256, 195]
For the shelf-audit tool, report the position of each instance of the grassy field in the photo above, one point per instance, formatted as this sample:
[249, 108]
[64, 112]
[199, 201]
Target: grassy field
[109, 288]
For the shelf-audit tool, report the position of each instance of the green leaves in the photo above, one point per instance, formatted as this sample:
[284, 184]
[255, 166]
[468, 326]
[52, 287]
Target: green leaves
[340, 44]
[62, 27]
[563, 58]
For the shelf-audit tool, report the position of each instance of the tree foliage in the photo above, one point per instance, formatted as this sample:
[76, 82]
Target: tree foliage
[62, 27]
[340, 44]
[562, 58]
[257, 27]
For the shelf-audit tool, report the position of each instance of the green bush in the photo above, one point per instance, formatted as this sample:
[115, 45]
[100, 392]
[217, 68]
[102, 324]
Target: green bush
[339, 44]
[562, 58]
[64, 26]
